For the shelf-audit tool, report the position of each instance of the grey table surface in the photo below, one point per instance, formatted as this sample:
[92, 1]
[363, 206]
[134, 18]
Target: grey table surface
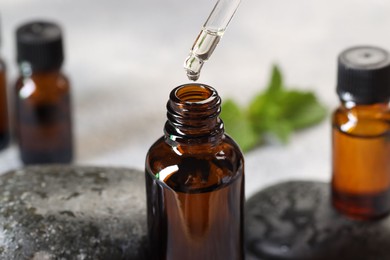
[124, 57]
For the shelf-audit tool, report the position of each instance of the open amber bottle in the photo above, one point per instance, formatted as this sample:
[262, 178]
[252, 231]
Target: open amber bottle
[42, 96]
[361, 134]
[195, 182]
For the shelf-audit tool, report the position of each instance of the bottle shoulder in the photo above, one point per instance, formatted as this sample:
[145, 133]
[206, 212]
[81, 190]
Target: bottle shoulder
[370, 120]
[50, 80]
[226, 146]
[218, 166]
[43, 86]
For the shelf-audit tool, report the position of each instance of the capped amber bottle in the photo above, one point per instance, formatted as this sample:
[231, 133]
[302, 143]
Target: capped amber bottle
[361, 134]
[43, 122]
[195, 182]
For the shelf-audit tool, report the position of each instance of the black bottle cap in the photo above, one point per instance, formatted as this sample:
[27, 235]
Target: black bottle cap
[40, 44]
[364, 75]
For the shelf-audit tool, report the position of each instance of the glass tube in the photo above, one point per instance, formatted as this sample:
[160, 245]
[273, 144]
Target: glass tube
[210, 35]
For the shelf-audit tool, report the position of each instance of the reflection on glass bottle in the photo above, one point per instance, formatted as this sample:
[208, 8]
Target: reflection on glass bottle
[195, 182]
[361, 134]
[43, 122]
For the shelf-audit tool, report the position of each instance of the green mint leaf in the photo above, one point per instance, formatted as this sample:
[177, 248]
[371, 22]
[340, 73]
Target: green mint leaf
[258, 111]
[310, 112]
[275, 83]
[291, 102]
[276, 110]
[238, 126]
[282, 129]
[265, 104]
[301, 109]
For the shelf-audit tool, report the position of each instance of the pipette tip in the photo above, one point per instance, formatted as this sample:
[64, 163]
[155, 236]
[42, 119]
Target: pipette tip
[193, 65]
[192, 75]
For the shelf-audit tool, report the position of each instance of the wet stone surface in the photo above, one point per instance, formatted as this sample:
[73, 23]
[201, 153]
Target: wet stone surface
[295, 221]
[66, 212]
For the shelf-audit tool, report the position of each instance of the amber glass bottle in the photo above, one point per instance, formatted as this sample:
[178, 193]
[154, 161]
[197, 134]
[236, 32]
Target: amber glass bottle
[4, 125]
[42, 96]
[195, 182]
[361, 134]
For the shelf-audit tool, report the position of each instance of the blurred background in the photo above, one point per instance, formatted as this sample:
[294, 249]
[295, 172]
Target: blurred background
[124, 56]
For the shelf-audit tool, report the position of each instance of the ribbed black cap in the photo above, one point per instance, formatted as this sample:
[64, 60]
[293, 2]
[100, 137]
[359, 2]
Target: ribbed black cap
[40, 44]
[364, 75]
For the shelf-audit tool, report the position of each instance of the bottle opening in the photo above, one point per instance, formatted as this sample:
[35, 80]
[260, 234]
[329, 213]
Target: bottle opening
[192, 113]
[194, 94]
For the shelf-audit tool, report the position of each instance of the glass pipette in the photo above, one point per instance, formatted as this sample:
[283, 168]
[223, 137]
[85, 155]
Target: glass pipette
[210, 35]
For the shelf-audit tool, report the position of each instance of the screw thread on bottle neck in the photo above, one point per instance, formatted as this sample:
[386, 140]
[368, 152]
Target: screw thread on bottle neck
[193, 114]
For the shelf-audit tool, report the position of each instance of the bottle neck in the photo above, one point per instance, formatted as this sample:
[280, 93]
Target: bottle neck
[27, 71]
[364, 119]
[384, 105]
[193, 116]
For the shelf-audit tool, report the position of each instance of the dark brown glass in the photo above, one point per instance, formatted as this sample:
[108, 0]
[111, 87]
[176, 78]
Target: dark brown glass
[361, 160]
[4, 124]
[195, 182]
[43, 118]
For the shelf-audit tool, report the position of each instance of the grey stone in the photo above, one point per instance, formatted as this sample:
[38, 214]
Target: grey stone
[72, 212]
[296, 221]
